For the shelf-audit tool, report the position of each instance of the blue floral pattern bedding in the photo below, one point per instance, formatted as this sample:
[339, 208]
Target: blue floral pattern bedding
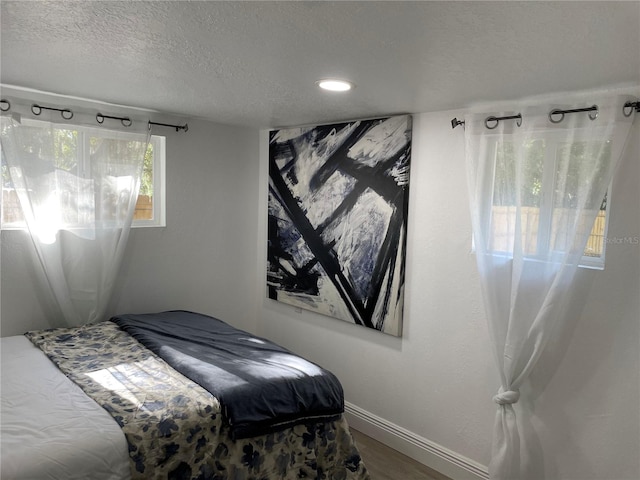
[174, 427]
[262, 387]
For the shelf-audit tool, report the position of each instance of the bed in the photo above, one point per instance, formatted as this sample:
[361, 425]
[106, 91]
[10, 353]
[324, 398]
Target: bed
[172, 395]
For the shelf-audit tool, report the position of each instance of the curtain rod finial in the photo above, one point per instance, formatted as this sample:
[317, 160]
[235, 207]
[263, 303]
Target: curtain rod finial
[455, 122]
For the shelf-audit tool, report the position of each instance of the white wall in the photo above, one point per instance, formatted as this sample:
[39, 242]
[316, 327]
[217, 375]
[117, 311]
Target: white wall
[24, 304]
[588, 417]
[435, 379]
[436, 382]
[203, 260]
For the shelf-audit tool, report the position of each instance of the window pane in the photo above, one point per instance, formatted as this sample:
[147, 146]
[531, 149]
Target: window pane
[58, 144]
[507, 194]
[576, 167]
[546, 201]
[144, 205]
[73, 186]
[595, 244]
[11, 211]
[71, 194]
[65, 144]
[116, 162]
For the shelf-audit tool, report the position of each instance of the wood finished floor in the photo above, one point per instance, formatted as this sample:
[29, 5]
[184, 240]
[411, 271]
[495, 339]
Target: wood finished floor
[384, 463]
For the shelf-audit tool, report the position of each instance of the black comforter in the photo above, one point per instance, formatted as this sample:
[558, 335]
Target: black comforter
[262, 387]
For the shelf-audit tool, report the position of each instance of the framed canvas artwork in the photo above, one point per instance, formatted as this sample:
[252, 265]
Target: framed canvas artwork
[337, 220]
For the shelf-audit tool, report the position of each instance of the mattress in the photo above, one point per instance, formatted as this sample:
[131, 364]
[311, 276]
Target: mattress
[49, 428]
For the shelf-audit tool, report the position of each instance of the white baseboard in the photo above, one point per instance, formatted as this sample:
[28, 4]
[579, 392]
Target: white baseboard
[419, 448]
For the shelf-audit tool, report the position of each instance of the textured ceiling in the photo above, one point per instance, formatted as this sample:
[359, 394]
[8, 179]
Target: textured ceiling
[256, 63]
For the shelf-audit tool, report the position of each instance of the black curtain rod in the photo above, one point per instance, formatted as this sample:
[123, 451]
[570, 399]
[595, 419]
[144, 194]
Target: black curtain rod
[67, 114]
[627, 109]
[557, 111]
[64, 112]
[126, 121]
[184, 127]
[488, 120]
[631, 106]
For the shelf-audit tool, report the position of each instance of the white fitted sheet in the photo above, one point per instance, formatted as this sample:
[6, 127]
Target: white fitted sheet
[49, 428]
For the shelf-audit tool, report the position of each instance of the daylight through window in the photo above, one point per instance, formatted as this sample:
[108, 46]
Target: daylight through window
[73, 149]
[549, 179]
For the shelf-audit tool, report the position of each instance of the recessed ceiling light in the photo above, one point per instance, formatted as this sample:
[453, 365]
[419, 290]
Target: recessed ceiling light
[334, 85]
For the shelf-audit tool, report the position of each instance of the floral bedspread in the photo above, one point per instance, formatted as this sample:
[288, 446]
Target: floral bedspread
[174, 427]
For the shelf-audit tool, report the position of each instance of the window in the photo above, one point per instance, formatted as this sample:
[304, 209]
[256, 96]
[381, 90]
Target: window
[73, 148]
[545, 199]
[150, 208]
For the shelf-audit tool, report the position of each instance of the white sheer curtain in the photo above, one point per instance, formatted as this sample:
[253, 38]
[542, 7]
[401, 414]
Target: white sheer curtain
[536, 185]
[77, 181]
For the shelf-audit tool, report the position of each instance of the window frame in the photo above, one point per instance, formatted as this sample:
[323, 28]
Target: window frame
[553, 142]
[158, 219]
[158, 143]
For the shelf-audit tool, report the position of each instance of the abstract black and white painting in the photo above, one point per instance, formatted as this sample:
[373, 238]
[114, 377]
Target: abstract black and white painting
[338, 198]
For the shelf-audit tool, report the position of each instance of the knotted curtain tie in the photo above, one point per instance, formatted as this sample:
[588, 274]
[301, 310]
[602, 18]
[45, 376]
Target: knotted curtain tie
[508, 397]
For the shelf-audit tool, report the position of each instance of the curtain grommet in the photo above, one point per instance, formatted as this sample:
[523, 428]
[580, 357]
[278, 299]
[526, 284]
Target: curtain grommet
[630, 106]
[125, 121]
[517, 118]
[65, 113]
[556, 112]
[491, 119]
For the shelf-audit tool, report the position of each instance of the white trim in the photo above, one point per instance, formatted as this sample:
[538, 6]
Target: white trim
[425, 451]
